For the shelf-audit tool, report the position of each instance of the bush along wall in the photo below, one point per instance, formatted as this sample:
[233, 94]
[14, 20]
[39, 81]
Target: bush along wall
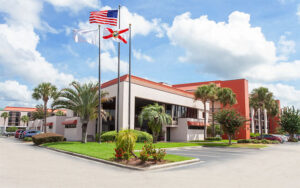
[110, 136]
[47, 138]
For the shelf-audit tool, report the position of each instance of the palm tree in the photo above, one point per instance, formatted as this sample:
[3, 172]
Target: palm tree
[25, 119]
[156, 116]
[83, 100]
[205, 93]
[45, 91]
[5, 115]
[260, 99]
[226, 97]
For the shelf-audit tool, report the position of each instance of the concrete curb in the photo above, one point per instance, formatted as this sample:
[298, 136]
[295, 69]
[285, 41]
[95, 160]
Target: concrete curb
[122, 165]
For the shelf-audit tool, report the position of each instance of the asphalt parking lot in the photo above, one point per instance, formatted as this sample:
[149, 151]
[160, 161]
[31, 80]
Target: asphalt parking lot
[212, 155]
[24, 165]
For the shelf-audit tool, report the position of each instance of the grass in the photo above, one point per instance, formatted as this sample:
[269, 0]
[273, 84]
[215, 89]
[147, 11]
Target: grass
[104, 150]
[214, 141]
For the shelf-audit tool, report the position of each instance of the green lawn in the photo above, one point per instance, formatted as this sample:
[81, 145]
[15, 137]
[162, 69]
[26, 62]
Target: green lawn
[104, 150]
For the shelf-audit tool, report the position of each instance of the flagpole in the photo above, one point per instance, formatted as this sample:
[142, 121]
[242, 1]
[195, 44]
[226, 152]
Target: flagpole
[129, 99]
[99, 88]
[118, 92]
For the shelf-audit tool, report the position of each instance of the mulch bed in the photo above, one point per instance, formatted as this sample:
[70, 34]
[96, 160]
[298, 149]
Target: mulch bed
[136, 162]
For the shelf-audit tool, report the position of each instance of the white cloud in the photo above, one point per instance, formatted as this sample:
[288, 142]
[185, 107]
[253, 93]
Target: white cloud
[285, 48]
[108, 63]
[20, 57]
[74, 5]
[140, 56]
[288, 95]
[225, 49]
[282, 71]
[15, 93]
[140, 25]
[234, 49]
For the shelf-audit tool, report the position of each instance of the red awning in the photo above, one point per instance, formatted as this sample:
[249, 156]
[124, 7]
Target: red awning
[196, 123]
[70, 122]
[49, 124]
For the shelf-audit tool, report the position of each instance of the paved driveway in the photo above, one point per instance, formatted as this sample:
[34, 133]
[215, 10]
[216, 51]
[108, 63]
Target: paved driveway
[24, 165]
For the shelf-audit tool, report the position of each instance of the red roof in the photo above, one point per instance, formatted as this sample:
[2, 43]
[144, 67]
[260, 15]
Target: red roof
[27, 109]
[70, 122]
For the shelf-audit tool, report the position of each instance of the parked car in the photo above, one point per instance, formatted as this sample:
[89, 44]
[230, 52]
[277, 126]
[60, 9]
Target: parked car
[270, 137]
[283, 137]
[18, 133]
[30, 133]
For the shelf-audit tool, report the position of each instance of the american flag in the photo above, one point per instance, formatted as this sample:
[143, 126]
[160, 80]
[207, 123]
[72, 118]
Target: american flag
[104, 17]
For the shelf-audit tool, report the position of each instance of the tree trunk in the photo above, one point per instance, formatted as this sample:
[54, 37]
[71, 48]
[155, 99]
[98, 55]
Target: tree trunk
[261, 130]
[205, 119]
[154, 137]
[84, 133]
[45, 116]
[229, 138]
[213, 118]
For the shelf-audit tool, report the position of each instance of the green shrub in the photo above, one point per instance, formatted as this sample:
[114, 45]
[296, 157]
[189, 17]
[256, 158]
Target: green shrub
[110, 136]
[242, 141]
[144, 156]
[28, 139]
[253, 135]
[47, 138]
[214, 138]
[11, 129]
[293, 140]
[125, 141]
[149, 148]
[275, 142]
[159, 154]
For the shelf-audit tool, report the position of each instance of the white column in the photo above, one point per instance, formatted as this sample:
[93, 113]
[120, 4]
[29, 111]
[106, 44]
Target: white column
[259, 121]
[266, 121]
[252, 112]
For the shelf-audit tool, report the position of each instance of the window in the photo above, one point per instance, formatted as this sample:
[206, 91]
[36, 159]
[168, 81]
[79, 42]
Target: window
[70, 126]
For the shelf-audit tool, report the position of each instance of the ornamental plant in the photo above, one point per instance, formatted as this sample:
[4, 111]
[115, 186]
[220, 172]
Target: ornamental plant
[144, 156]
[125, 141]
[159, 155]
[119, 153]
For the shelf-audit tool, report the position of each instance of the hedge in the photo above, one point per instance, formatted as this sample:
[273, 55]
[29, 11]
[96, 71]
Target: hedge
[11, 129]
[110, 136]
[214, 138]
[254, 141]
[47, 138]
[27, 139]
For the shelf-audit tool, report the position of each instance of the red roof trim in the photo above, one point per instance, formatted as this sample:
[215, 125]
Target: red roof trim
[154, 85]
[196, 123]
[70, 122]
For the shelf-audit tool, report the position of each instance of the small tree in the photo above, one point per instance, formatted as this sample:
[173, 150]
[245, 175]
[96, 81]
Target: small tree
[25, 119]
[82, 99]
[230, 121]
[290, 121]
[60, 113]
[156, 117]
[39, 112]
[45, 91]
[5, 115]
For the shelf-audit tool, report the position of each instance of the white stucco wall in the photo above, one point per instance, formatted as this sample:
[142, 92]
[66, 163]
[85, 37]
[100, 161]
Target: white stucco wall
[57, 127]
[149, 94]
[75, 134]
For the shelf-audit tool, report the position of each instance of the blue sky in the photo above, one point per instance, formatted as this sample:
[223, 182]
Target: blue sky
[173, 41]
